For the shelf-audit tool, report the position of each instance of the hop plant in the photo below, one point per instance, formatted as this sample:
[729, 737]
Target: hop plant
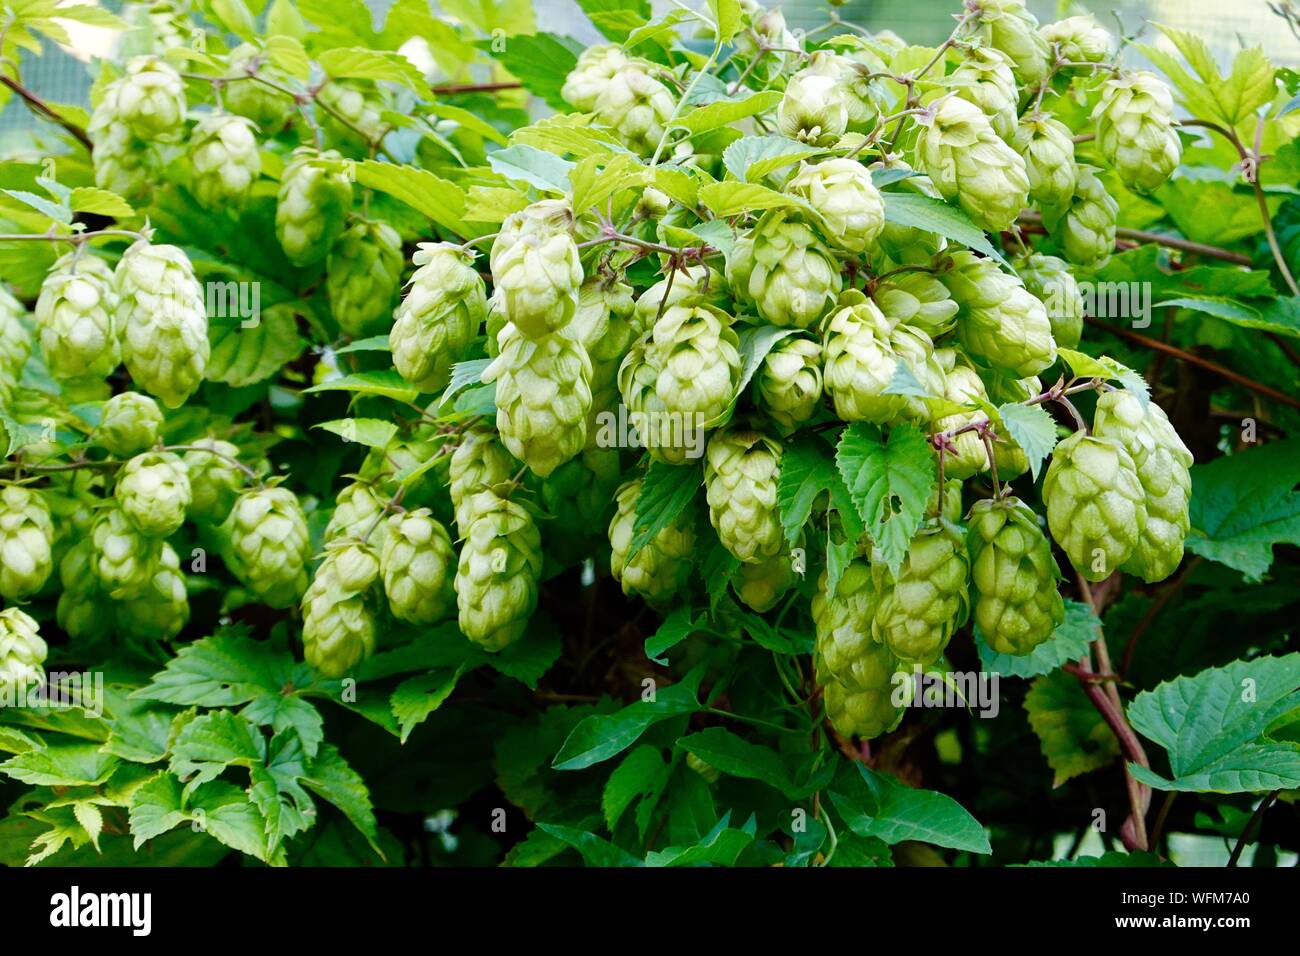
[162, 609]
[1000, 322]
[26, 539]
[338, 615]
[812, 109]
[416, 563]
[153, 491]
[267, 545]
[1096, 505]
[22, 652]
[74, 317]
[1007, 26]
[266, 106]
[226, 161]
[1050, 280]
[596, 66]
[535, 268]
[849, 208]
[658, 571]
[635, 105]
[125, 558]
[788, 385]
[740, 477]
[1047, 147]
[1087, 229]
[444, 306]
[1013, 576]
[984, 78]
[923, 604]
[314, 198]
[1162, 462]
[789, 275]
[161, 321]
[364, 277]
[917, 300]
[1135, 130]
[149, 100]
[497, 575]
[129, 424]
[1079, 39]
[215, 479]
[478, 464]
[83, 610]
[969, 164]
[543, 397]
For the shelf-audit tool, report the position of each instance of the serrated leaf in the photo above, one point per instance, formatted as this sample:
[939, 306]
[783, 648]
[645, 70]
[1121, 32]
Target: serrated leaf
[541, 63]
[808, 471]
[721, 846]
[247, 351]
[415, 698]
[100, 202]
[726, 112]
[387, 383]
[595, 851]
[641, 773]
[357, 63]
[890, 482]
[371, 432]
[439, 199]
[674, 629]
[1073, 736]
[732, 199]
[56, 211]
[737, 757]
[1032, 429]
[935, 215]
[61, 765]
[601, 736]
[666, 492]
[882, 807]
[750, 158]
[545, 171]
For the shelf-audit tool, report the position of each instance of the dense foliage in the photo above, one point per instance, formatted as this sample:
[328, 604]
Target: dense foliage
[441, 442]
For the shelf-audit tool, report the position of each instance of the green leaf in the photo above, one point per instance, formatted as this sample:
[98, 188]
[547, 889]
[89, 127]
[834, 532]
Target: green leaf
[592, 186]
[602, 736]
[332, 779]
[935, 215]
[726, 14]
[527, 660]
[371, 432]
[222, 811]
[1213, 727]
[732, 199]
[1068, 642]
[210, 743]
[666, 492]
[750, 158]
[546, 171]
[435, 197]
[881, 806]
[100, 202]
[596, 851]
[807, 472]
[1032, 429]
[676, 627]
[1073, 736]
[642, 773]
[59, 212]
[387, 383]
[417, 697]
[539, 62]
[360, 64]
[725, 112]
[890, 483]
[1111, 859]
[249, 350]
[736, 756]
[616, 18]
[220, 671]
[721, 846]
[61, 765]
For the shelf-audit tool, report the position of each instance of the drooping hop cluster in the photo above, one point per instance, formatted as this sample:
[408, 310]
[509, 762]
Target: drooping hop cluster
[22, 652]
[153, 490]
[124, 558]
[740, 477]
[267, 545]
[760, 586]
[26, 539]
[226, 161]
[358, 512]
[1047, 147]
[1086, 230]
[258, 100]
[142, 108]
[1007, 26]
[129, 423]
[315, 195]
[15, 344]
[1000, 321]
[985, 79]
[497, 574]
[535, 268]
[1013, 576]
[1135, 130]
[659, 568]
[364, 276]
[75, 318]
[923, 604]
[417, 564]
[624, 93]
[338, 610]
[478, 466]
[444, 307]
[161, 609]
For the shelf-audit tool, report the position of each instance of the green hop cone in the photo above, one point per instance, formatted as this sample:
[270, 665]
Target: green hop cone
[215, 480]
[665, 435]
[267, 545]
[315, 196]
[849, 207]
[659, 570]
[862, 95]
[444, 306]
[74, 318]
[923, 605]
[968, 163]
[26, 540]
[478, 464]
[812, 109]
[788, 385]
[1007, 26]
[416, 563]
[1087, 229]
[740, 477]
[357, 509]
[967, 454]
[596, 66]
[1049, 279]
[790, 276]
[1096, 505]
[543, 397]
[690, 286]
[351, 113]
[124, 557]
[497, 575]
[364, 278]
[225, 160]
[1047, 147]
[1079, 40]
[123, 163]
[984, 78]
[1162, 462]
[22, 652]
[162, 609]
[1135, 130]
[15, 343]
[760, 586]
[149, 99]
[535, 268]
[635, 105]
[269, 108]
[1013, 576]
[697, 353]
[129, 424]
[83, 610]
[338, 613]
[162, 323]
[918, 300]
[153, 490]
[1000, 322]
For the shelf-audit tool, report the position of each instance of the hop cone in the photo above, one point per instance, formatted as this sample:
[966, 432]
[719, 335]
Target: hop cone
[1007, 26]
[153, 490]
[1096, 505]
[968, 163]
[360, 106]
[83, 610]
[659, 570]
[962, 384]
[1079, 39]
[635, 105]
[1162, 462]
[862, 96]
[162, 609]
[1135, 130]
[338, 615]
[535, 268]
[543, 396]
[691, 286]
[999, 322]
[740, 477]
[223, 152]
[1087, 230]
[129, 424]
[927, 600]
[124, 557]
[788, 385]
[812, 109]
[1050, 280]
[760, 586]
[596, 66]
[849, 208]
[269, 108]
[356, 508]
[150, 99]
[267, 545]
[313, 201]
[74, 319]
[697, 354]
[22, 652]
[908, 245]
[162, 323]
[919, 300]
[1047, 147]
[26, 539]
[984, 78]
[416, 563]
[15, 342]
[496, 579]
[365, 275]
[1014, 575]
[214, 480]
[785, 271]
[444, 306]
[666, 435]
[477, 465]
[123, 163]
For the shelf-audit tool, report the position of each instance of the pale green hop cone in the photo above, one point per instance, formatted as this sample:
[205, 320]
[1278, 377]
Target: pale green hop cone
[658, 571]
[26, 540]
[740, 476]
[1013, 576]
[924, 604]
[315, 196]
[75, 317]
[153, 490]
[162, 322]
[129, 424]
[417, 564]
[444, 306]
[497, 575]
[22, 652]
[267, 545]
[364, 278]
